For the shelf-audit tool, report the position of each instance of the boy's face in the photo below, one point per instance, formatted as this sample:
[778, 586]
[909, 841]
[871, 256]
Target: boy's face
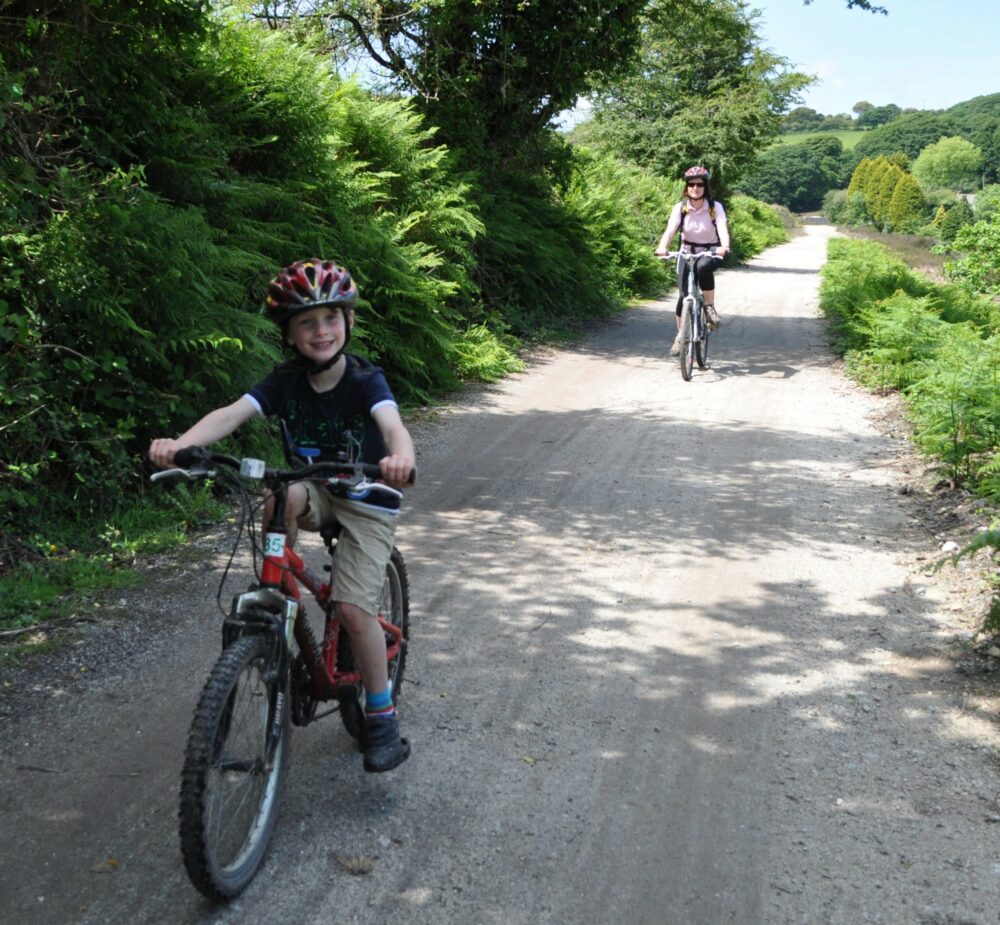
[319, 333]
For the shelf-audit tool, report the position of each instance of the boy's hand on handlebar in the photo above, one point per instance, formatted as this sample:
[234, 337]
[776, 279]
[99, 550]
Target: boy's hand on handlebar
[161, 452]
[397, 471]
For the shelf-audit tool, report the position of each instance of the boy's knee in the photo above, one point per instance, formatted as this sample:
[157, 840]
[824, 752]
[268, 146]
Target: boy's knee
[352, 616]
[298, 500]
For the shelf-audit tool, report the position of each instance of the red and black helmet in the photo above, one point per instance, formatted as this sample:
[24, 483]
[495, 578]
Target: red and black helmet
[697, 173]
[308, 284]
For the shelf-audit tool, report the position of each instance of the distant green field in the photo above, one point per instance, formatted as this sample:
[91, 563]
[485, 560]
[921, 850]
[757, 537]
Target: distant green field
[847, 138]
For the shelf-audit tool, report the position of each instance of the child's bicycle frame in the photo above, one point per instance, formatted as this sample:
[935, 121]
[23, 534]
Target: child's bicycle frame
[694, 329]
[237, 751]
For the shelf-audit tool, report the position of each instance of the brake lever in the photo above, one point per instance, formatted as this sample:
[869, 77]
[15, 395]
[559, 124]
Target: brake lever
[189, 474]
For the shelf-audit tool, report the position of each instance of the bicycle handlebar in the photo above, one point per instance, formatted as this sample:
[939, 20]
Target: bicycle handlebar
[710, 252]
[194, 462]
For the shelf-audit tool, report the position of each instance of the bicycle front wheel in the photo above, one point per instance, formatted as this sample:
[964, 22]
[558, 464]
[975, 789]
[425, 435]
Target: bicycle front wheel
[393, 607]
[687, 339]
[234, 769]
[701, 345]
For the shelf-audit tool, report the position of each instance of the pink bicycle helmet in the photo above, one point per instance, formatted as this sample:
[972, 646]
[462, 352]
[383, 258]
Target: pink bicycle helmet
[308, 284]
[697, 173]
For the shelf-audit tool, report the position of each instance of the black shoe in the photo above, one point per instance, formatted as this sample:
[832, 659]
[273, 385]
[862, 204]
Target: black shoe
[382, 746]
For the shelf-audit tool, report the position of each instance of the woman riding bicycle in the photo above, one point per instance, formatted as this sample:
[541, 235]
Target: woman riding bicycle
[702, 223]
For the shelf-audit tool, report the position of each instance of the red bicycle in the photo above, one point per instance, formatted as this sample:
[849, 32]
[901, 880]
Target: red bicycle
[272, 673]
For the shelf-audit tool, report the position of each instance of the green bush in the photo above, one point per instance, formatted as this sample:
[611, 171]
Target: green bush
[857, 275]
[907, 209]
[956, 218]
[955, 404]
[753, 226]
[133, 306]
[938, 344]
[895, 335]
[620, 206]
[977, 268]
[987, 205]
[950, 162]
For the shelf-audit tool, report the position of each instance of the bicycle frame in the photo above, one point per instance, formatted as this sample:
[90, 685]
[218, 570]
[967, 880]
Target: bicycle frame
[282, 573]
[694, 287]
[695, 346]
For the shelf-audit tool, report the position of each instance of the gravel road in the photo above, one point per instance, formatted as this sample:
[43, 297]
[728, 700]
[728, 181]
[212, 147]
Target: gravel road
[676, 659]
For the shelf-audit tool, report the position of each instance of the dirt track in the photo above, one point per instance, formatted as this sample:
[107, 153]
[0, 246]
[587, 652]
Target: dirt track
[675, 660]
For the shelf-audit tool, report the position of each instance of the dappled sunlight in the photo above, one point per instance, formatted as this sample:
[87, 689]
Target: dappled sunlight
[707, 746]
[418, 896]
[725, 702]
[821, 722]
[961, 726]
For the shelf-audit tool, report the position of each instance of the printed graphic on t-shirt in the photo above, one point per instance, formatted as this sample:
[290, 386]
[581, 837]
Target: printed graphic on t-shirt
[331, 422]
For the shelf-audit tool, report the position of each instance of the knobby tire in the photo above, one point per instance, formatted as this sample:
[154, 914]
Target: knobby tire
[234, 768]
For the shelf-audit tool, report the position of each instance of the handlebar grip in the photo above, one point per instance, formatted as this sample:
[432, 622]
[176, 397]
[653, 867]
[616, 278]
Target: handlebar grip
[188, 456]
[373, 471]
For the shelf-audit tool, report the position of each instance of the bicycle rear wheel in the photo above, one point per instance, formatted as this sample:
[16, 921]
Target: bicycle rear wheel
[394, 608]
[234, 769]
[687, 339]
[701, 345]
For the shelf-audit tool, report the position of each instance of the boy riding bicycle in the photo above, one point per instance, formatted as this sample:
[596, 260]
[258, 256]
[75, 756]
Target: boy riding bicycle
[331, 402]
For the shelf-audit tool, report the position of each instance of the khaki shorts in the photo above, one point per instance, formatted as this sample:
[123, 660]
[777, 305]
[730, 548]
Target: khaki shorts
[363, 547]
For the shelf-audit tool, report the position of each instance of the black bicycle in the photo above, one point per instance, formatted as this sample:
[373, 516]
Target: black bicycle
[695, 329]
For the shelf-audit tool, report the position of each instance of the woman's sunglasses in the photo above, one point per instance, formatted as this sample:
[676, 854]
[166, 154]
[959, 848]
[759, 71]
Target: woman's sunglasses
[695, 183]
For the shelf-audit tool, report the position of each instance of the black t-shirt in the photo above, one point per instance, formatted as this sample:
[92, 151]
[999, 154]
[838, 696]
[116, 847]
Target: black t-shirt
[338, 420]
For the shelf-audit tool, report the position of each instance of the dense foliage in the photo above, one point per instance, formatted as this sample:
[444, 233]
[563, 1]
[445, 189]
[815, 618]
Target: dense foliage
[939, 345]
[949, 162]
[910, 134]
[883, 192]
[976, 261]
[978, 121]
[797, 175]
[132, 288]
[874, 116]
[491, 74]
[701, 90]
[805, 119]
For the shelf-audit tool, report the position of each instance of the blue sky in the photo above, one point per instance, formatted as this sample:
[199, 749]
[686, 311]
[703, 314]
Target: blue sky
[926, 54]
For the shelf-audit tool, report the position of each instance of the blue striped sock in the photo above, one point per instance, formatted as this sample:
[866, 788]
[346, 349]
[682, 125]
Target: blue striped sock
[379, 704]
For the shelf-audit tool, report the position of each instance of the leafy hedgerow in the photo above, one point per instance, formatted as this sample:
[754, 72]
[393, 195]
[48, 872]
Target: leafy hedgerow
[938, 345]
